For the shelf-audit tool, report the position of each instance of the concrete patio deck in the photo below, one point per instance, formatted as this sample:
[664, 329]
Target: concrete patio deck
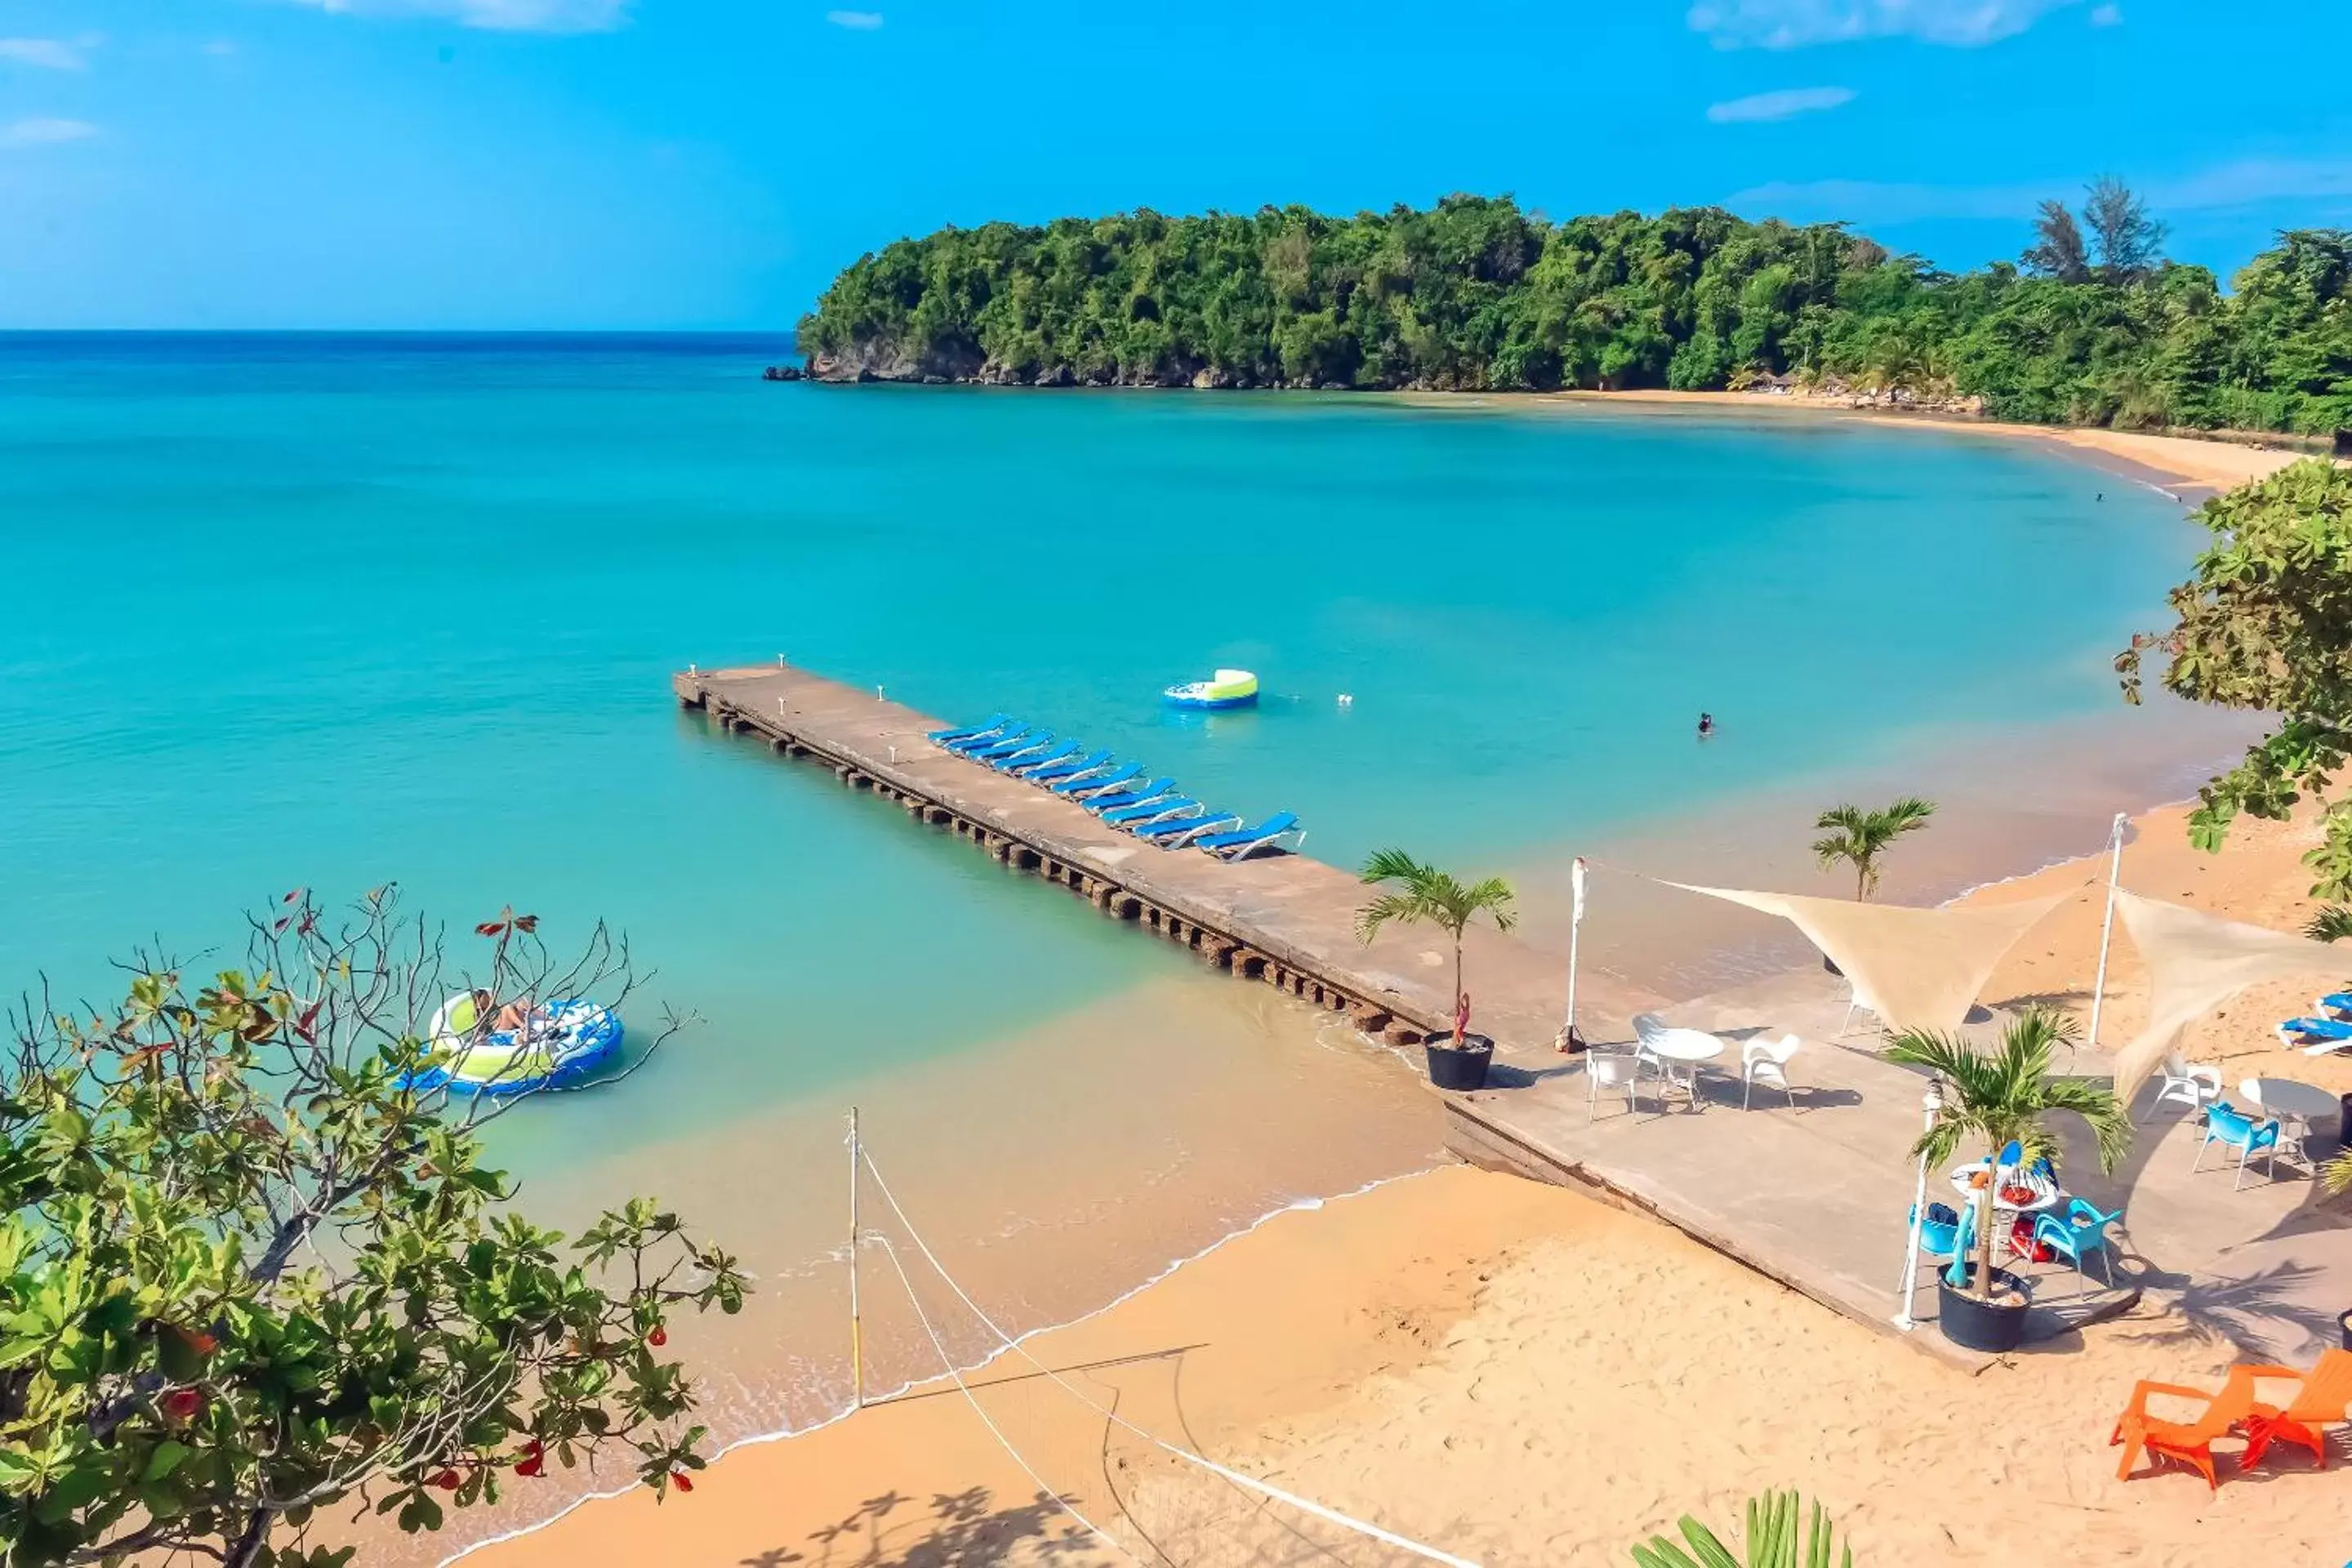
[1817, 1192]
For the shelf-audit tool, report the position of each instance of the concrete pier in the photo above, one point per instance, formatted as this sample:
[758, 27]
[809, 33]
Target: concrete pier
[1282, 920]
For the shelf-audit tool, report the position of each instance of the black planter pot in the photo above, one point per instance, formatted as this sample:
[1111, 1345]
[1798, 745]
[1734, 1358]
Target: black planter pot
[1979, 1325]
[1462, 1069]
[2343, 1326]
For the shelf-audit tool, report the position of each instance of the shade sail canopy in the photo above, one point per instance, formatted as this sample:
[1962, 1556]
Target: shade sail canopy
[1916, 969]
[2197, 962]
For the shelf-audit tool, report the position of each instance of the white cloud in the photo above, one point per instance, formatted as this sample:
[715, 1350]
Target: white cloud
[855, 21]
[51, 54]
[2107, 16]
[40, 132]
[1783, 105]
[496, 15]
[1794, 24]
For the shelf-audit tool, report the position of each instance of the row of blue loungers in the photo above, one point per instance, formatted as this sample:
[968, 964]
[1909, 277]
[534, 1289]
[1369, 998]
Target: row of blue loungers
[2329, 1028]
[1154, 810]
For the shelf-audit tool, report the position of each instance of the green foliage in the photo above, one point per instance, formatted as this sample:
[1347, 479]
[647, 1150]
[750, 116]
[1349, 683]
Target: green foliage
[1772, 1541]
[1474, 294]
[2333, 923]
[1859, 838]
[1423, 895]
[245, 1275]
[2265, 624]
[1992, 1098]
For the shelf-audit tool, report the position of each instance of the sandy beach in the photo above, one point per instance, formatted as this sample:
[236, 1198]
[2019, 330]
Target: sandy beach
[1520, 1375]
[2185, 460]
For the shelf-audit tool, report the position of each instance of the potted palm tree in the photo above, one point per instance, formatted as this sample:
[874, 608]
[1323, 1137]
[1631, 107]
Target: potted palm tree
[1858, 837]
[1994, 1099]
[1423, 895]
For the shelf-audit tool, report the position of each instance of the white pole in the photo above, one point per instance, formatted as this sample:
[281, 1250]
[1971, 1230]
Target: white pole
[1569, 1040]
[856, 1329]
[1933, 1105]
[2107, 925]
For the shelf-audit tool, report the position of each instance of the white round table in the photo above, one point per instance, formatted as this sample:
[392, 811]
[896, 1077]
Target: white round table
[2047, 1194]
[2285, 1097]
[1688, 1048]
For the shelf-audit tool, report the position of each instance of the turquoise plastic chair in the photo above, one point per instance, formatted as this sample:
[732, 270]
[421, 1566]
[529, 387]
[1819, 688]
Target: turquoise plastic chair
[2081, 1233]
[2227, 1125]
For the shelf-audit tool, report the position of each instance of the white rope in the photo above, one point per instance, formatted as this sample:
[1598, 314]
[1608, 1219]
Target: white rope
[1248, 1483]
[977, 1409]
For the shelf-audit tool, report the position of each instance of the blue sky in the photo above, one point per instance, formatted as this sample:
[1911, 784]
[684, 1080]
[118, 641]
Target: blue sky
[709, 163]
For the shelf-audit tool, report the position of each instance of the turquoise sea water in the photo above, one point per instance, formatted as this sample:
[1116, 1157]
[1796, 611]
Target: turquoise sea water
[334, 611]
[330, 612]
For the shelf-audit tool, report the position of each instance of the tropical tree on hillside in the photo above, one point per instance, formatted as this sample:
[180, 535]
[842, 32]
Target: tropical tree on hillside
[248, 1273]
[2265, 625]
[1856, 837]
[1993, 1099]
[1423, 895]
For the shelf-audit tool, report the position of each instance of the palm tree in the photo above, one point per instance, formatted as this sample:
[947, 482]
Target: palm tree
[1425, 895]
[2006, 1095]
[2332, 923]
[1859, 836]
[1771, 1541]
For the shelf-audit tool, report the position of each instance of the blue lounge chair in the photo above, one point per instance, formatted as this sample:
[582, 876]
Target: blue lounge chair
[2317, 1037]
[1103, 805]
[2082, 1233]
[1027, 763]
[1177, 832]
[1091, 762]
[2336, 1004]
[1242, 843]
[1085, 784]
[989, 726]
[1134, 816]
[972, 748]
[1036, 741]
[2233, 1129]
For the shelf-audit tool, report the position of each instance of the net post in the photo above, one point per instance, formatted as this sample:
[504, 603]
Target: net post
[856, 1328]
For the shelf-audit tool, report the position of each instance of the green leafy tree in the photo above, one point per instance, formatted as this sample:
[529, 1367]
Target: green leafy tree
[1856, 837]
[2058, 250]
[1475, 294]
[2130, 243]
[248, 1275]
[1423, 895]
[1772, 1541]
[2265, 624]
[1992, 1099]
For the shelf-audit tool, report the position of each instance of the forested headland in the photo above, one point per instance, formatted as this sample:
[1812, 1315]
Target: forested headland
[2091, 325]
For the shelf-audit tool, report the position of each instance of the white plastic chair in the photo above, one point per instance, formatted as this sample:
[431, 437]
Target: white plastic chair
[2184, 1083]
[1766, 1062]
[1621, 1073]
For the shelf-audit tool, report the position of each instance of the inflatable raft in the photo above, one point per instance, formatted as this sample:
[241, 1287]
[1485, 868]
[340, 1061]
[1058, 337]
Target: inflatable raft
[1230, 689]
[560, 1044]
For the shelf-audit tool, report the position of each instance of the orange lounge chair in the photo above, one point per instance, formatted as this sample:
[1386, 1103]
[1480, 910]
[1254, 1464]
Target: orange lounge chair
[2318, 1403]
[2188, 1442]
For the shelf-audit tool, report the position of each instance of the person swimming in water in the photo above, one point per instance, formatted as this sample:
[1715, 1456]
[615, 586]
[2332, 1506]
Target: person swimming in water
[1706, 725]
